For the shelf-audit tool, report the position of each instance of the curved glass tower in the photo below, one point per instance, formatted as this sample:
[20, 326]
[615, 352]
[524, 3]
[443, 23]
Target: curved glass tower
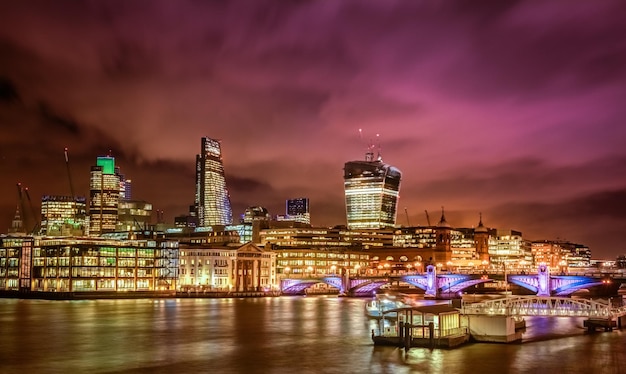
[372, 190]
[212, 198]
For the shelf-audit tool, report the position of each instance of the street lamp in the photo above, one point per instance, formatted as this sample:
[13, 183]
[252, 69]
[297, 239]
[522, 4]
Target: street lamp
[333, 268]
[356, 268]
[309, 270]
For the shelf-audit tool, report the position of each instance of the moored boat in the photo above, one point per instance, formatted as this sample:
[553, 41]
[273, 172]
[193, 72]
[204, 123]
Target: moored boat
[382, 303]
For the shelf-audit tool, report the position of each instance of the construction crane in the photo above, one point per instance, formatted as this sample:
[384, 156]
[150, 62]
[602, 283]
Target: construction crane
[406, 212]
[69, 175]
[20, 197]
[32, 211]
[427, 218]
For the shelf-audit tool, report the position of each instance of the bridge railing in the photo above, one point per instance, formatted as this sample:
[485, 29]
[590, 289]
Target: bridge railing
[543, 306]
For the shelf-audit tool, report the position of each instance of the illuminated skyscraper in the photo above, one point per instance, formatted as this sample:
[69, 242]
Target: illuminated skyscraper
[371, 189]
[104, 187]
[212, 199]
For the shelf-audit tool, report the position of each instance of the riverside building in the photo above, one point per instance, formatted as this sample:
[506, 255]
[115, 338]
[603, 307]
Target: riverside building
[226, 267]
[34, 263]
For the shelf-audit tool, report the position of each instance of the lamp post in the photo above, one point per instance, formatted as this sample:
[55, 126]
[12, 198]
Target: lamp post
[333, 268]
[357, 267]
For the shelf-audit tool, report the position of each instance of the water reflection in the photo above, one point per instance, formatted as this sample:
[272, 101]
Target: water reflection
[267, 335]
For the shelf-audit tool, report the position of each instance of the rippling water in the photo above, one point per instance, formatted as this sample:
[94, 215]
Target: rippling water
[267, 335]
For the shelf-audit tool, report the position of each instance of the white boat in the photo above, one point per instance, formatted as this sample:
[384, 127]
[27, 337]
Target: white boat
[382, 303]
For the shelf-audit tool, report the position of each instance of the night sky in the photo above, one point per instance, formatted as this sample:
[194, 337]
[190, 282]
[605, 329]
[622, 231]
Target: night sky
[512, 109]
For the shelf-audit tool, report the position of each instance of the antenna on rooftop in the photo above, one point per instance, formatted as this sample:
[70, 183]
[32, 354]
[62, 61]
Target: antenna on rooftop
[369, 148]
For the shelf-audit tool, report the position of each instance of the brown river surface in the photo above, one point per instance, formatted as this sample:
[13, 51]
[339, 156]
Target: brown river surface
[316, 334]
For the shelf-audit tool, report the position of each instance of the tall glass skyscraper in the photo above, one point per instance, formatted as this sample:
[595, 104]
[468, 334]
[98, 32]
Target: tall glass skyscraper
[212, 198]
[104, 196]
[371, 189]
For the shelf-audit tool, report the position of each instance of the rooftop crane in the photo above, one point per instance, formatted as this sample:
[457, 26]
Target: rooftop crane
[32, 211]
[427, 218]
[69, 175]
[406, 212]
[20, 198]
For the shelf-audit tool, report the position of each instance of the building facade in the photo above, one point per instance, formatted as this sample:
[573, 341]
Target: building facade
[226, 267]
[63, 216]
[133, 215]
[87, 264]
[509, 250]
[212, 200]
[296, 210]
[371, 190]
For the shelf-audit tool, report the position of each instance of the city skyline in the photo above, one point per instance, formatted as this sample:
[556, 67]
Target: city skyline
[513, 110]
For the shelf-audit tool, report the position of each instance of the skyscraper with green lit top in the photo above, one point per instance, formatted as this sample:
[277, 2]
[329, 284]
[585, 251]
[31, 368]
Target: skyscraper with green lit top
[104, 196]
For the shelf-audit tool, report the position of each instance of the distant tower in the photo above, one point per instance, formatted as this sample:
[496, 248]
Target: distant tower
[443, 246]
[104, 193]
[372, 190]
[17, 226]
[298, 210]
[125, 186]
[481, 240]
[212, 199]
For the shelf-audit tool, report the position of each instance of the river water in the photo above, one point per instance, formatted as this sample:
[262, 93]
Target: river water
[267, 335]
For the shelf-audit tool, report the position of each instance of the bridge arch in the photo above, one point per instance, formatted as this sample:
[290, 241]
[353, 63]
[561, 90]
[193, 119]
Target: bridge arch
[298, 285]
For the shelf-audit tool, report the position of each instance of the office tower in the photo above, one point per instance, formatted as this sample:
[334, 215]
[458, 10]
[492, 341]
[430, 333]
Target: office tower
[298, 210]
[212, 199]
[104, 188]
[125, 185]
[63, 215]
[371, 189]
